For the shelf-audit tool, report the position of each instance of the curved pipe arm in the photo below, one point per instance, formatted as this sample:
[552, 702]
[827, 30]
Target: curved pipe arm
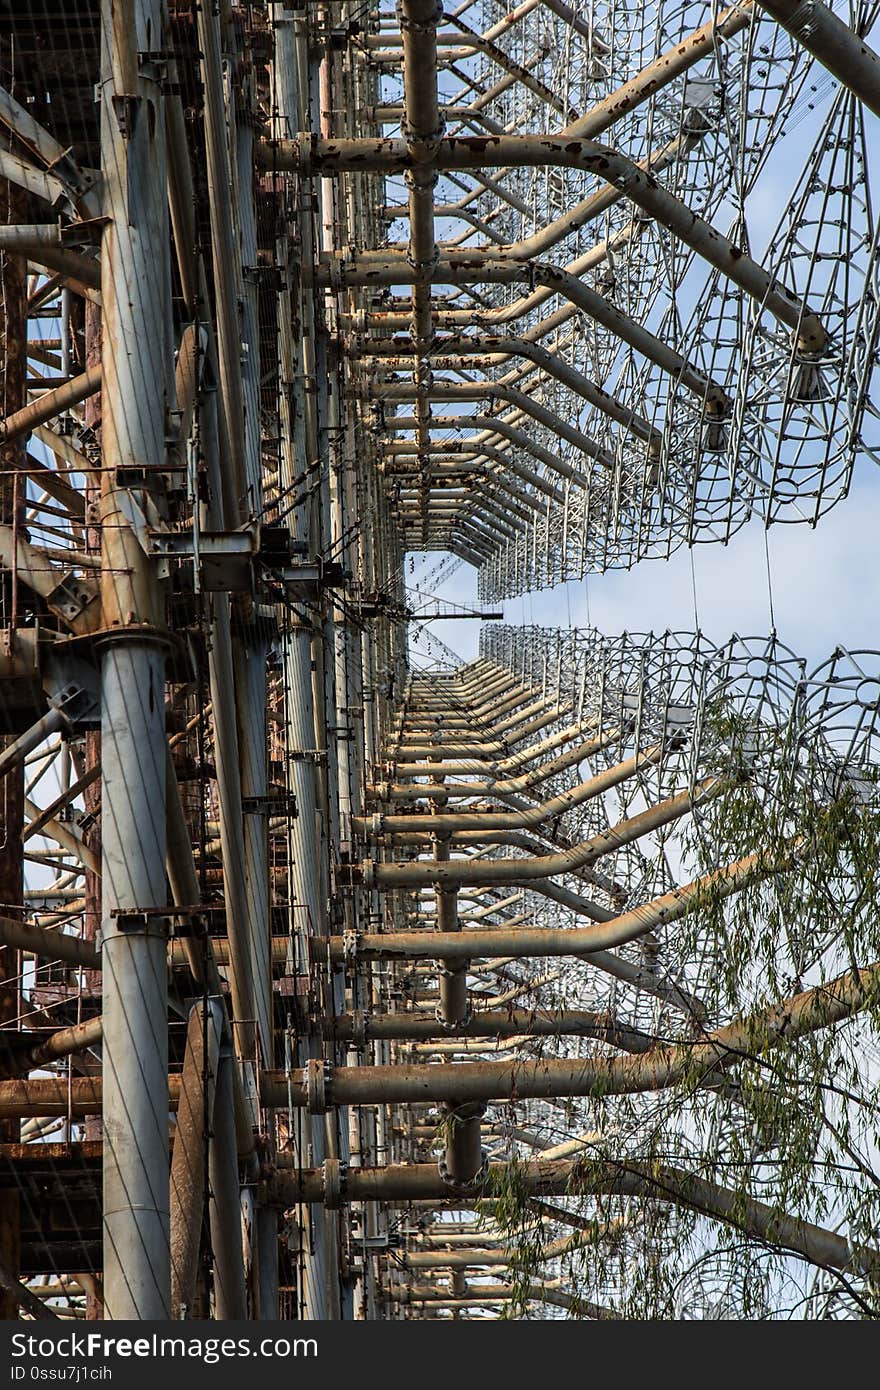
[385, 876]
[512, 820]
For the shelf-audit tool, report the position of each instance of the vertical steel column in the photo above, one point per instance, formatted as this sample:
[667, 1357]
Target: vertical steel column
[137, 1276]
[188, 1166]
[299, 460]
[13, 323]
[92, 743]
[422, 127]
[463, 1159]
[230, 1293]
[249, 644]
[267, 1264]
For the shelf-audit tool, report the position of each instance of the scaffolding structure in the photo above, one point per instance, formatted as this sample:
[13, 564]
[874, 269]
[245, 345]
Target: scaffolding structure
[335, 987]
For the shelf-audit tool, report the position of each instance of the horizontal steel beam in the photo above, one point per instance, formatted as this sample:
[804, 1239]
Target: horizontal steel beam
[629, 1178]
[311, 154]
[535, 1023]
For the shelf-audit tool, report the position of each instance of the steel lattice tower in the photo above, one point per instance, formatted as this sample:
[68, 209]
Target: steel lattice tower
[338, 985]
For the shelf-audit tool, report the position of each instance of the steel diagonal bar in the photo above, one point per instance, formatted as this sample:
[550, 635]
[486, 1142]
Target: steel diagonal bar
[837, 47]
[492, 185]
[61, 167]
[26, 175]
[51, 403]
[45, 245]
[513, 69]
[658, 74]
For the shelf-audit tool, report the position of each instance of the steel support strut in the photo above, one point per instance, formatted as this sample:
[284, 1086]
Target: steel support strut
[134, 289]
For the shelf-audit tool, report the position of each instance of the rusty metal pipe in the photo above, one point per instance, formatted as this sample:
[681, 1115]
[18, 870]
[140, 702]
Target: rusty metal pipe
[537, 1023]
[49, 945]
[500, 782]
[810, 1011]
[43, 244]
[189, 1151]
[630, 1178]
[478, 1257]
[392, 352]
[64, 1042]
[50, 404]
[560, 281]
[491, 390]
[550, 941]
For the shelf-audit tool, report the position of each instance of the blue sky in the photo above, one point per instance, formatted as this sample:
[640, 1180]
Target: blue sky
[825, 586]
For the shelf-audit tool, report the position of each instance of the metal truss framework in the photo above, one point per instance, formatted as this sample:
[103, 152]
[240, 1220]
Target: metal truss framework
[385, 943]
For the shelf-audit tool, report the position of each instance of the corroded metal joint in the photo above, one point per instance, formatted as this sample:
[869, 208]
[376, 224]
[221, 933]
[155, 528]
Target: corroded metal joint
[423, 147]
[360, 1023]
[335, 1179]
[351, 945]
[453, 1025]
[304, 147]
[316, 1079]
[425, 26]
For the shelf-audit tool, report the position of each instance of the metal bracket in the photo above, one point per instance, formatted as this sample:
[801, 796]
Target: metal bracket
[70, 597]
[306, 579]
[125, 108]
[144, 921]
[375, 1244]
[141, 515]
[71, 685]
[225, 558]
[307, 755]
[352, 875]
